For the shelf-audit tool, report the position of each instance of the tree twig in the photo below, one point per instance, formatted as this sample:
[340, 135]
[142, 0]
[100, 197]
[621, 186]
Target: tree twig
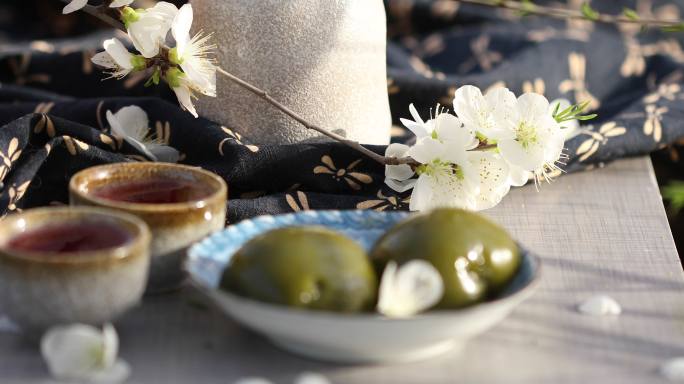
[284, 109]
[567, 13]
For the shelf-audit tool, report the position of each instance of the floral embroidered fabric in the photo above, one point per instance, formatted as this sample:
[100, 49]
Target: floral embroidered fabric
[53, 105]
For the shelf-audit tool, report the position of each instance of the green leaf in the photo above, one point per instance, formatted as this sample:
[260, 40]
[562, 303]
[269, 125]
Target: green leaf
[555, 110]
[674, 192]
[154, 79]
[527, 7]
[630, 14]
[674, 28]
[589, 12]
[587, 117]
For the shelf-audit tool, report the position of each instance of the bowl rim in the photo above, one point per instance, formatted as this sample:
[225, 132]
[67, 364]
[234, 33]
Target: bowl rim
[530, 287]
[218, 193]
[139, 240]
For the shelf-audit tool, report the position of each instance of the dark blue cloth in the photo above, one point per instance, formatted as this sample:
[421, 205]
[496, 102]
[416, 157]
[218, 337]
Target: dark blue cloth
[53, 104]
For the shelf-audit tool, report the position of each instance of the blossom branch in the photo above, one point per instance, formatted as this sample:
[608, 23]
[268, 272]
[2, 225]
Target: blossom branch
[586, 13]
[350, 143]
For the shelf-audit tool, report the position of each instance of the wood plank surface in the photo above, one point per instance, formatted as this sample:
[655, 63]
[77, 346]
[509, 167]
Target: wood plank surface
[597, 232]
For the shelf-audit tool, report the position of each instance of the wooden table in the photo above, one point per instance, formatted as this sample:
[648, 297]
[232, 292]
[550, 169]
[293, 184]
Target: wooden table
[598, 232]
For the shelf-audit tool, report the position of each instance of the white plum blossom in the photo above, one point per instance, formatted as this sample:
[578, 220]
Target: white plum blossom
[523, 129]
[478, 112]
[197, 73]
[538, 141]
[409, 289]
[84, 354]
[118, 61]
[148, 28]
[472, 160]
[450, 172]
[193, 53]
[443, 127]
[132, 124]
[446, 178]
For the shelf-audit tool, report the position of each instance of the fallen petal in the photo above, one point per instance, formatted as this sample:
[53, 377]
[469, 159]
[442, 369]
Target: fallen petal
[673, 369]
[600, 305]
[311, 378]
[72, 352]
[252, 380]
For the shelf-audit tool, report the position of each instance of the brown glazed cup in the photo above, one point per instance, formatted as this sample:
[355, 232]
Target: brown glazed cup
[174, 226]
[42, 289]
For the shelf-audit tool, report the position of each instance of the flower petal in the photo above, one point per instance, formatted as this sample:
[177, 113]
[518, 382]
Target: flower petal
[253, 380]
[504, 109]
[517, 176]
[311, 378]
[110, 346]
[494, 175]
[468, 102]
[103, 59]
[426, 150]
[72, 351]
[150, 30]
[74, 6]
[529, 159]
[400, 186]
[410, 289]
[600, 305]
[163, 153]
[118, 53]
[141, 147]
[120, 3]
[422, 194]
[452, 151]
[415, 114]
[531, 106]
[131, 121]
[418, 129]
[180, 28]
[386, 292]
[398, 172]
[449, 128]
[184, 95]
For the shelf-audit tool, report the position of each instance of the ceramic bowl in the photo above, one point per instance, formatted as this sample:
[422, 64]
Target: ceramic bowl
[42, 289]
[174, 226]
[357, 338]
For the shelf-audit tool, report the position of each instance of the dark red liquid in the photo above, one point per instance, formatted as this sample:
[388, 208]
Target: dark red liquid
[153, 191]
[71, 237]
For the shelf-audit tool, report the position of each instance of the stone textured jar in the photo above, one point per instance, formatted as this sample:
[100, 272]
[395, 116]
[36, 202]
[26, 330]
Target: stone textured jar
[324, 59]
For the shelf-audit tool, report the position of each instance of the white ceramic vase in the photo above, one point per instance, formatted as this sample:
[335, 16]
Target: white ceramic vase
[324, 59]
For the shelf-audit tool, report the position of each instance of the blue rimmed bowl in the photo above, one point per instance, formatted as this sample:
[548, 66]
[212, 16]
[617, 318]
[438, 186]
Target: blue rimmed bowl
[348, 338]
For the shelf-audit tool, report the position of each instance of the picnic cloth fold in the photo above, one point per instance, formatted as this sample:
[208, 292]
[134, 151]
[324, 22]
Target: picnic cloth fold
[53, 104]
